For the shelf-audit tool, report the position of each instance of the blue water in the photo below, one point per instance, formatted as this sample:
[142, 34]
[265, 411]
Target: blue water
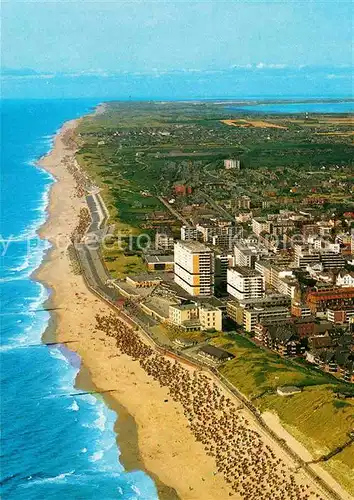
[54, 445]
[299, 107]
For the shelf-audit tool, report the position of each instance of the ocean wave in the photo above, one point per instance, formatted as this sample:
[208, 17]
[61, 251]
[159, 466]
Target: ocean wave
[38, 301]
[100, 422]
[74, 406]
[21, 267]
[54, 479]
[98, 455]
[136, 490]
[30, 232]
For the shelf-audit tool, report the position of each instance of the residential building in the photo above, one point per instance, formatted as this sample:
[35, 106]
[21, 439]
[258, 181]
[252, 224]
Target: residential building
[305, 255]
[300, 310]
[259, 224]
[278, 277]
[217, 233]
[244, 202]
[247, 253]
[210, 317]
[179, 313]
[345, 279]
[281, 337]
[274, 306]
[332, 260]
[189, 233]
[245, 283]
[256, 315]
[266, 268]
[231, 164]
[325, 229]
[235, 311]
[214, 354]
[223, 261]
[341, 315]
[321, 300]
[288, 286]
[194, 268]
[164, 239]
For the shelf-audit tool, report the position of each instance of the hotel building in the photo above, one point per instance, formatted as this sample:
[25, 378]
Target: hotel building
[194, 268]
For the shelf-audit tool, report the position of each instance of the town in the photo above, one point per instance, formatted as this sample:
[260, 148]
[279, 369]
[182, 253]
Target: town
[238, 262]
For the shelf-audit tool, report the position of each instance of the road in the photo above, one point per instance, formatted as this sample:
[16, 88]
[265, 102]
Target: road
[174, 212]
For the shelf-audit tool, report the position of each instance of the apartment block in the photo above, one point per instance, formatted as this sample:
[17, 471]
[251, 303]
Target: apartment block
[305, 256]
[259, 224]
[245, 283]
[164, 239]
[271, 314]
[194, 268]
[246, 254]
[189, 233]
[332, 260]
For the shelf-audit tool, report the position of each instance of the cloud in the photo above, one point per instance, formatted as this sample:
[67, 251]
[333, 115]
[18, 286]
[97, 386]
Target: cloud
[262, 65]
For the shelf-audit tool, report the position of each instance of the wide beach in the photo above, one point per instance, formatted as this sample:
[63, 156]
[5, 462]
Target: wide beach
[167, 449]
[152, 429]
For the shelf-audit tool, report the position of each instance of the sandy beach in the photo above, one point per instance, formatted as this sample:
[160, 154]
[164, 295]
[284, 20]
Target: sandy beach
[167, 449]
[152, 429]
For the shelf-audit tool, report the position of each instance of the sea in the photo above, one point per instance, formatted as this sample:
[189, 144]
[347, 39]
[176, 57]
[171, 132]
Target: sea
[55, 443]
[297, 107]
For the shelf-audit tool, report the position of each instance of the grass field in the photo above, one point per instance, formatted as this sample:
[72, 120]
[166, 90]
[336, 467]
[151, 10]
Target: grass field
[252, 123]
[120, 265]
[315, 417]
[342, 468]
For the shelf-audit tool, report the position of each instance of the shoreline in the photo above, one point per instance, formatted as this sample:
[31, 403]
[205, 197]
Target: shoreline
[125, 426]
[133, 386]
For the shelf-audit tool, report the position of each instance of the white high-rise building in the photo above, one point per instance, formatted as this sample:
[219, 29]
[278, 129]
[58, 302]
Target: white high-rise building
[245, 283]
[194, 268]
[246, 253]
[259, 224]
[189, 233]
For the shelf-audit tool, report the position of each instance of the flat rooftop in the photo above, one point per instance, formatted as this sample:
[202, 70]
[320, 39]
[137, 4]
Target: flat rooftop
[184, 307]
[162, 259]
[246, 272]
[194, 246]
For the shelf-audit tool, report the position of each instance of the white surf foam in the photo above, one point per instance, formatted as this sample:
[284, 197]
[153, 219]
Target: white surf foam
[74, 406]
[98, 455]
[55, 479]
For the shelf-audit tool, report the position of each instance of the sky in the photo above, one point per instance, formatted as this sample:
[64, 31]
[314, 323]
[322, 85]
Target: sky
[118, 36]
[195, 47]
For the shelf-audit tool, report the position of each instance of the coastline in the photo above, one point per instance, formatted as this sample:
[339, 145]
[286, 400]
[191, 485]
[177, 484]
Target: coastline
[175, 478]
[125, 426]
[152, 437]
